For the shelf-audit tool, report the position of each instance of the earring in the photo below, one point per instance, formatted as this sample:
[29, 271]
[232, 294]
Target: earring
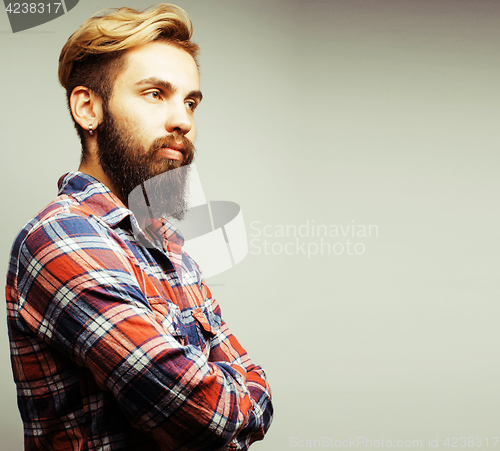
[90, 130]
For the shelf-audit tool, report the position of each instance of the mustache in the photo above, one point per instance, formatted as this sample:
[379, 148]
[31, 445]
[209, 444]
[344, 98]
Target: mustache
[175, 141]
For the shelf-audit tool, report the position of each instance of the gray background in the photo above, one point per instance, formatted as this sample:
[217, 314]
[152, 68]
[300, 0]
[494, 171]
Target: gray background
[367, 112]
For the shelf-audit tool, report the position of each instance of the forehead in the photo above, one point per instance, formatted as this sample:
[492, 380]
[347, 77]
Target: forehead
[159, 60]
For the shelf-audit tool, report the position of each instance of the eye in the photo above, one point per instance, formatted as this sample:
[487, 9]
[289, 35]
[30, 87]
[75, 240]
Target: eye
[191, 104]
[154, 95]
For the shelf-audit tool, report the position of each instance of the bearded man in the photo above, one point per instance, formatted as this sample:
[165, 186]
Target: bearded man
[116, 341]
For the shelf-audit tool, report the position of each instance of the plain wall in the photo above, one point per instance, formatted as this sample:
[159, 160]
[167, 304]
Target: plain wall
[331, 115]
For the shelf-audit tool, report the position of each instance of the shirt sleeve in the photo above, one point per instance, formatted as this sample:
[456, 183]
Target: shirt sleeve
[226, 348]
[80, 292]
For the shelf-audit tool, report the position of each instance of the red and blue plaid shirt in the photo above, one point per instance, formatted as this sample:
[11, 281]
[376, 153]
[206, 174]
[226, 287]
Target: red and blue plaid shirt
[115, 345]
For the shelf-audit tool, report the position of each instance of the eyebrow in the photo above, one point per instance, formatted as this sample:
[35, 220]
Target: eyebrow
[169, 87]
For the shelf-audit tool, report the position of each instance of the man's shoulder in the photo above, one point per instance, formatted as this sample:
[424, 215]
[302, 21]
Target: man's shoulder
[63, 206]
[82, 201]
[52, 224]
[52, 220]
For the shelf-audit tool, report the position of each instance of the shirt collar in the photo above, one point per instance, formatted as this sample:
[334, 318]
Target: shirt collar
[103, 203]
[94, 195]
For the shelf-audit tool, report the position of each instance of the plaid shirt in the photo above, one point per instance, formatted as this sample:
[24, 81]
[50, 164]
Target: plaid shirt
[115, 345]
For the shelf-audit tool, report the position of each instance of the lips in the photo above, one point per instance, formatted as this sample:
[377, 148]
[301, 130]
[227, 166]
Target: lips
[171, 153]
[174, 147]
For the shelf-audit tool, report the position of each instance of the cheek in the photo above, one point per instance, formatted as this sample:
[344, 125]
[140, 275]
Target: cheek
[127, 110]
[135, 124]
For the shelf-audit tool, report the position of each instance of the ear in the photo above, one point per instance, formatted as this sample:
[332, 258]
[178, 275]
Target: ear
[86, 107]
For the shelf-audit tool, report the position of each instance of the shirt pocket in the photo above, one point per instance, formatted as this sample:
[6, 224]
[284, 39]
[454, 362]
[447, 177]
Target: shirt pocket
[207, 325]
[169, 317]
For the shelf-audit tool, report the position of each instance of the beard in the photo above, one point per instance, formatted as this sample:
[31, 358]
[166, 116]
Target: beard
[154, 187]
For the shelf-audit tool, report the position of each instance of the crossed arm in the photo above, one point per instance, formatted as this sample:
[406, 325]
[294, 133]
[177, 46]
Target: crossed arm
[81, 291]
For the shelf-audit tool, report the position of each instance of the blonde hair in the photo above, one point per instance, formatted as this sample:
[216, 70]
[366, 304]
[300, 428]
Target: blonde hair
[93, 55]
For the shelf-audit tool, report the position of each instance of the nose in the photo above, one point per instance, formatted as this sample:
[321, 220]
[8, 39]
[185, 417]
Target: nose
[179, 120]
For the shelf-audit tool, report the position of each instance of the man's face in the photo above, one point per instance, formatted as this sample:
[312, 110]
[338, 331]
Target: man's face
[148, 126]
